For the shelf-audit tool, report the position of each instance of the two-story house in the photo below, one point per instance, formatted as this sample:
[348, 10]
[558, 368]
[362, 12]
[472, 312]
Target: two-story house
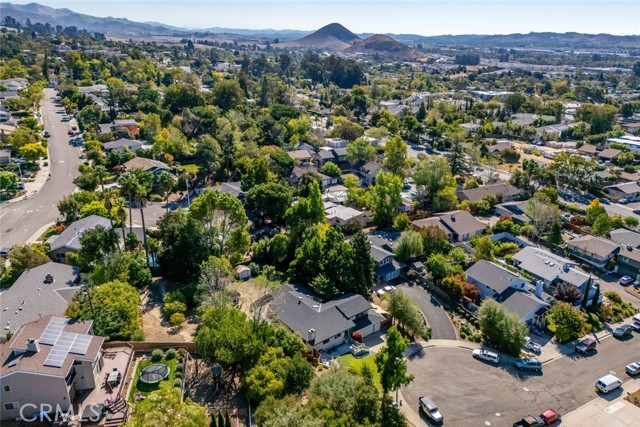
[387, 268]
[629, 255]
[595, 251]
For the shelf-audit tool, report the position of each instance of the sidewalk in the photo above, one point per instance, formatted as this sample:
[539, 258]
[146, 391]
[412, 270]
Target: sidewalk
[602, 411]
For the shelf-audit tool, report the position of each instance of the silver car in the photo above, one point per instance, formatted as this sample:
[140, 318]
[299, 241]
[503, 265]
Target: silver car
[430, 410]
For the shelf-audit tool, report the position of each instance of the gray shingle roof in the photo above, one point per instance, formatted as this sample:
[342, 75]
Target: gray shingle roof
[123, 142]
[492, 275]
[461, 222]
[507, 190]
[550, 267]
[40, 298]
[624, 237]
[301, 310]
[522, 303]
[595, 245]
[70, 237]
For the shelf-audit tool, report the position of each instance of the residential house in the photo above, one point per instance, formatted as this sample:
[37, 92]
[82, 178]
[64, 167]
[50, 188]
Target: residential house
[336, 142]
[588, 149]
[497, 148]
[554, 132]
[433, 221]
[129, 124]
[462, 225]
[322, 157]
[370, 170]
[69, 239]
[232, 188]
[595, 251]
[631, 141]
[492, 280]
[628, 189]
[302, 157]
[15, 83]
[386, 267]
[609, 154]
[506, 192]
[490, 94]
[148, 165]
[470, 128]
[325, 325]
[628, 177]
[58, 363]
[344, 216]
[340, 155]
[551, 270]
[628, 260]
[6, 129]
[530, 307]
[517, 211]
[125, 143]
[298, 172]
[39, 292]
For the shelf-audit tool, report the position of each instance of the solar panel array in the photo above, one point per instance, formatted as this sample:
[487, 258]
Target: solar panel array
[63, 342]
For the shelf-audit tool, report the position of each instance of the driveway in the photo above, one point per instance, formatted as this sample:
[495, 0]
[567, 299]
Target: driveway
[20, 220]
[437, 317]
[609, 282]
[471, 393]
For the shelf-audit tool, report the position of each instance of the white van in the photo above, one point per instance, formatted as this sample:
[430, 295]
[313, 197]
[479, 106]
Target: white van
[608, 383]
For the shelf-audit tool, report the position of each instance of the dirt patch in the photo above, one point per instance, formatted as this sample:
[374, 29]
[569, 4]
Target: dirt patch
[252, 290]
[155, 327]
[634, 398]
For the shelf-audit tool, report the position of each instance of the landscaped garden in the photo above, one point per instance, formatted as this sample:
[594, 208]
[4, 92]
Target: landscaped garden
[354, 365]
[171, 359]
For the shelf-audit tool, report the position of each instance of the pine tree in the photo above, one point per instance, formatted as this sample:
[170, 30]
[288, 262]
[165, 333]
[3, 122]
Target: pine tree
[363, 275]
[596, 297]
[585, 297]
[422, 112]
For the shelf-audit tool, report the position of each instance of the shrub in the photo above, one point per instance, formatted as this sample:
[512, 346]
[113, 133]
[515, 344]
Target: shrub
[463, 336]
[177, 319]
[156, 198]
[476, 337]
[427, 335]
[173, 307]
[179, 367]
[171, 354]
[178, 374]
[465, 328]
[157, 355]
[613, 297]
[138, 335]
[177, 382]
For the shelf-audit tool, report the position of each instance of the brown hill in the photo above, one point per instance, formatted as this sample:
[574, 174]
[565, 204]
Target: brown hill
[384, 46]
[333, 36]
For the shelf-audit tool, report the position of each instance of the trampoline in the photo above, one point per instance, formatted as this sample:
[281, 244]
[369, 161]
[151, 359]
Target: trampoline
[155, 373]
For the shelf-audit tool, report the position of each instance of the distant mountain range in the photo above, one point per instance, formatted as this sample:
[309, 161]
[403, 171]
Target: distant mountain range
[332, 36]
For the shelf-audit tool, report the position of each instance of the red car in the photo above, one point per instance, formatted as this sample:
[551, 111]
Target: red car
[550, 416]
[70, 132]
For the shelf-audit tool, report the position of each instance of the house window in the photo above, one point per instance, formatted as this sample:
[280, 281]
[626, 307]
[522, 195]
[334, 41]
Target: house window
[6, 387]
[11, 406]
[625, 259]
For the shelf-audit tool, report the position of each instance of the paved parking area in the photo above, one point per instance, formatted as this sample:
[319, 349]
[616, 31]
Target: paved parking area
[471, 393]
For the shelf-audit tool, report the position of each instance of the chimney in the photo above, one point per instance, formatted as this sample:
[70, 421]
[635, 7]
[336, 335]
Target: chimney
[453, 216]
[299, 300]
[311, 337]
[629, 247]
[32, 345]
[539, 289]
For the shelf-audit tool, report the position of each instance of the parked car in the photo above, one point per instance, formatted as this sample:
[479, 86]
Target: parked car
[608, 383]
[532, 346]
[70, 132]
[625, 280]
[529, 421]
[486, 355]
[623, 201]
[605, 201]
[46, 134]
[528, 364]
[430, 409]
[623, 331]
[389, 289]
[633, 368]
[586, 345]
[550, 416]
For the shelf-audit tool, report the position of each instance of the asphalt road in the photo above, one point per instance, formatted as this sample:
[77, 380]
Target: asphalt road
[439, 322]
[20, 220]
[471, 393]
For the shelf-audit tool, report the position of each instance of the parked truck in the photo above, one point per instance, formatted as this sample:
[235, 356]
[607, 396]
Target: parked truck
[530, 421]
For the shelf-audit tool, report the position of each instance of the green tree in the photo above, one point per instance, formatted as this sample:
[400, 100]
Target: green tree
[437, 266]
[360, 151]
[8, 182]
[363, 264]
[167, 183]
[95, 244]
[501, 327]
[566, 321]
[484, 248]
[113, 307]
[227, 94]
[32, 152]
[514, 101]
[331, 169]
[386, 198]
[100, 173]
[180, 96]
[602, 225]
[453, 286]
[129, 187]
[271, 200]
[165, 407]
[258, 173]
[435, 240]
[594, 210]
[391, 363]
[406, 313]
[126, 266]
[409, 246]
[24, 257]
[395, 151]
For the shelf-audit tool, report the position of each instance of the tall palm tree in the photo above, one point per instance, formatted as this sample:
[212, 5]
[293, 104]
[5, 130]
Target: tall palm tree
[130, 187]
[167, 183]
[100, 172]
[141, 200]
[122, 214]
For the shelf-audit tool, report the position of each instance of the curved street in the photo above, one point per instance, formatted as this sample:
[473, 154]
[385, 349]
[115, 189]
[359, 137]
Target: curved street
[21, 219]
[437, 317]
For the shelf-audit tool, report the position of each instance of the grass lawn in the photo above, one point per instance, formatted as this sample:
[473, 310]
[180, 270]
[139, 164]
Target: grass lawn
[145, 389]
[191, 168]
[355, 365]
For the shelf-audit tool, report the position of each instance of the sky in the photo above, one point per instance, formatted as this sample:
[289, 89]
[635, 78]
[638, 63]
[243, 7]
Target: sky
[424, 17]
